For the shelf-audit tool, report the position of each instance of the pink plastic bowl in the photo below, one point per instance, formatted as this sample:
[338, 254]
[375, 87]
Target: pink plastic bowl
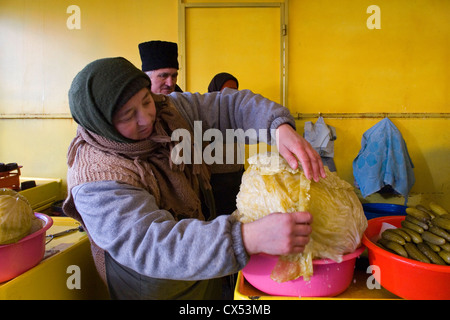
[16, 258]
[329, 279]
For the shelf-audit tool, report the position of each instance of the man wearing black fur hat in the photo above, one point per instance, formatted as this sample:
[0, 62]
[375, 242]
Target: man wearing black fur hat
[160, 63]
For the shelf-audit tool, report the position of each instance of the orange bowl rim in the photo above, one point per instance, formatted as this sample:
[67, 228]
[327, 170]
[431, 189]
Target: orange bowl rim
[414, 263]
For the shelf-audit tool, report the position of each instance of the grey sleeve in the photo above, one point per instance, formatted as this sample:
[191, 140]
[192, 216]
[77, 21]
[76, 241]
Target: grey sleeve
[233, 109]
[125, 221]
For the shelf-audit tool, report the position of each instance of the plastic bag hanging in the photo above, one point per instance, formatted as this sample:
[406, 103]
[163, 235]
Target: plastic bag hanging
[383, 161]
[321, 137]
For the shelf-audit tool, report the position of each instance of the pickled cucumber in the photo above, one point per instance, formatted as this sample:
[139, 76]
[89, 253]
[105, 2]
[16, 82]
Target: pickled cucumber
[440, 232]
[412, 226]
[437, 209]
[424, 235]
[433, 256]
[421, 224]
[402, 233]
[431, 237]
[394, 246]
[415, 253]
[418, 214]
[422, 208]
[446, 216]
[415, 236]
[441, 222]
[445, 246]
[392, 236]
[433, 247]
[445, 255]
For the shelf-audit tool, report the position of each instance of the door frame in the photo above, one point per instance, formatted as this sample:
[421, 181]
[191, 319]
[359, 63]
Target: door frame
[282, 5]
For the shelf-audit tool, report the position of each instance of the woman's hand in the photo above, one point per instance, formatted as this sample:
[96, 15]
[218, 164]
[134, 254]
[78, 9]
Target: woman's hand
[277, 233]
[292, 146]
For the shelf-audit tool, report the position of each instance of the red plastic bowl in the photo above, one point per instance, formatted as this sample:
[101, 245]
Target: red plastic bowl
[407, 278]
[16, 258]
[329, 279]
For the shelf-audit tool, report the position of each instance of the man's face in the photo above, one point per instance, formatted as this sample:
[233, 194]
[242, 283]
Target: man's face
[163, 80]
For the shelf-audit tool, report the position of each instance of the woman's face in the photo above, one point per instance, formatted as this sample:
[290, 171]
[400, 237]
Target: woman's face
[229, 84]
[135, 119]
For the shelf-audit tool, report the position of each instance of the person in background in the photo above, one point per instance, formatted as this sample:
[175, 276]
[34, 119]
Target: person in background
[160, 63]
[223, 80]
[141, 208]
[225, 179]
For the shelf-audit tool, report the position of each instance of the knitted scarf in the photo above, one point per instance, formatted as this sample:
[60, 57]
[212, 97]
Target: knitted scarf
[145, 164]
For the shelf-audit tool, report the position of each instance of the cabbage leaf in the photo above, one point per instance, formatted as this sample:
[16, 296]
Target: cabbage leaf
[271, 185]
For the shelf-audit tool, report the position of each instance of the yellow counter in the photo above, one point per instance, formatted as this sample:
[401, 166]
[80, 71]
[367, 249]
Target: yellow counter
[41, 197]
[67, 271]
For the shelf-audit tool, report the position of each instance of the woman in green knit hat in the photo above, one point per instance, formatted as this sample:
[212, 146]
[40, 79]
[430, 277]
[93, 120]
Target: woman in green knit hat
[142, 210]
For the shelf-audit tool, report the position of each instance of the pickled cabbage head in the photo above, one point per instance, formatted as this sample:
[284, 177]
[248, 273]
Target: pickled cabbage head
[17, 219]
[271, 185]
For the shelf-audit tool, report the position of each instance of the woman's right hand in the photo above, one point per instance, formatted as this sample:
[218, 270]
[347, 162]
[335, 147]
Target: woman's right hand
[294, 148]
[278, 233]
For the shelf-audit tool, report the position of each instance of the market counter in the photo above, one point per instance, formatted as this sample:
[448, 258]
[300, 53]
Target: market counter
[67, 271]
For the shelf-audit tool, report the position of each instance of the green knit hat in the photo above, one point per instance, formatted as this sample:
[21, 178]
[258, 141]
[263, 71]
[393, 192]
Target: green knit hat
[100, 89]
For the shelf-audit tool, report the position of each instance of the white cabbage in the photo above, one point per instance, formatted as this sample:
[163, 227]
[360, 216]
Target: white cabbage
[271, 185]
[17, 218]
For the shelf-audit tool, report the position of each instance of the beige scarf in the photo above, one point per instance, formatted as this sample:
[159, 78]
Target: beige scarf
[145, 164]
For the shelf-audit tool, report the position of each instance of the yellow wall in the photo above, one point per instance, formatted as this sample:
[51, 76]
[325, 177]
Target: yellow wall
[40, 56]
[254, 35]
[337, 66]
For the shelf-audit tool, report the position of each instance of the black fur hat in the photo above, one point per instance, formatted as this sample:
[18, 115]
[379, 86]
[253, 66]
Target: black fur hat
[158, 55]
